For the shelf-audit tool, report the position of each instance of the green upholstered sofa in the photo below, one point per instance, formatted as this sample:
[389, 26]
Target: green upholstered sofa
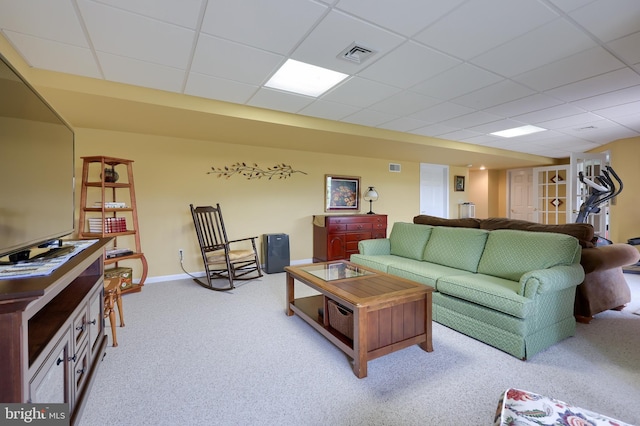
[511, 289]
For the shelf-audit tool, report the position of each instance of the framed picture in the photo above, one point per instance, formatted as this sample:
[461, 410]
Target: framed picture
[458, 183]
[342, 193]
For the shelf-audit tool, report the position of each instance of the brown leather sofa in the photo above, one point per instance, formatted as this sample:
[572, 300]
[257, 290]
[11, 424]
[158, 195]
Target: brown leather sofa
[604, 286]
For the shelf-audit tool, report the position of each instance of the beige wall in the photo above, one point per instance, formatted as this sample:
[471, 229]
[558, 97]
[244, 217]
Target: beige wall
[170, 173]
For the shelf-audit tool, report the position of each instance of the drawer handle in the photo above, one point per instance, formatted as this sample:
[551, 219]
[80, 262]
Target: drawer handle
[81, 371]
[72, 358]
[59, 361]
[93, 322]
[80, 327]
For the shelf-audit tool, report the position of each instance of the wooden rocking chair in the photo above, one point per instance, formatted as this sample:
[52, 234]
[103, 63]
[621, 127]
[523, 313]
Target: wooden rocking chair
[220, 261]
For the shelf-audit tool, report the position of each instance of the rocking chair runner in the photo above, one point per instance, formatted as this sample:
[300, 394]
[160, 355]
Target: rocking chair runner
[220, 261]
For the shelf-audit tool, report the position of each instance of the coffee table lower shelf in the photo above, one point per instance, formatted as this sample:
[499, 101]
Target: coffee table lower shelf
[307, 309]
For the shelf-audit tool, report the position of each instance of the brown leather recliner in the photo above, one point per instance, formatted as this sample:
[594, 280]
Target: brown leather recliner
[604, 286]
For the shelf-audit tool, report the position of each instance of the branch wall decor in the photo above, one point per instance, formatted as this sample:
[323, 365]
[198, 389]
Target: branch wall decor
[282, 171]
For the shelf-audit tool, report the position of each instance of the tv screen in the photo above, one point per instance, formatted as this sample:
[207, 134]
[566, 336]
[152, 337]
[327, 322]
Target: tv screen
[36, 167]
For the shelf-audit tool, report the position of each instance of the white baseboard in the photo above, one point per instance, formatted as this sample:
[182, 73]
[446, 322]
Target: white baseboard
[162, 278]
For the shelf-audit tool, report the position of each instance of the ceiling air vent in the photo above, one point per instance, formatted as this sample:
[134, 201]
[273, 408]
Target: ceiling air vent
[356, 53]
[393, 167]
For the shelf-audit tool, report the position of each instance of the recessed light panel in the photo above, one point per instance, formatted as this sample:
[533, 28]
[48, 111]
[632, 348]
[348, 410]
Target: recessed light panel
[304, 79]
[518, 131]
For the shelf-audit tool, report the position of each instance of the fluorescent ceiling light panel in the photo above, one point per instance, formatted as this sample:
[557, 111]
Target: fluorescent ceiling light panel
[304, 79]
[518, 131]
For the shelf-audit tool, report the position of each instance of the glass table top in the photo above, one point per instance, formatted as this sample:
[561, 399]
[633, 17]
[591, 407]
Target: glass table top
[335, 271]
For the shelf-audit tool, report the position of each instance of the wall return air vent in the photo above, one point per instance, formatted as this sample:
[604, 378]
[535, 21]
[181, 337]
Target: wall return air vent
[394, 167]
[356, 53]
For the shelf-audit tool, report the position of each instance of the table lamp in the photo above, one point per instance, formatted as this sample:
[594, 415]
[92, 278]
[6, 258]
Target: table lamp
[371, 195]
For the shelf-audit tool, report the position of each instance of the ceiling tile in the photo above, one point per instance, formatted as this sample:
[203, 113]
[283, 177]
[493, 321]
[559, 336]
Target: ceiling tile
[258, 23]
[280, 101]
[218, 88]
[433, 130]
[136, 36]
[524, 105]
[404, 124]
[480, 25]
[242, 63]
[594, 86]
[631, 108]
[329, 110]
[441, 112]
[597, 17]
[549, 43]
[496, 94]
[583, 65]
[627, 48]
[50, 19]
[402, 16]
[457, 81]
[335, 33]
[408, 65]
[367, 117]
[569, 5]
[631, 121]
[459, 135]
[611, 99]
[46, 54]
[404, 103]
[471, 120]
[360, 92]
[559, 111]
[184, 13]
[140, 73]
[576, 121]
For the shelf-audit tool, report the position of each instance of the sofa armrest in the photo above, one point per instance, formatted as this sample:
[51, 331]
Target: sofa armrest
[379, 246]
[608, 257]
[549, 280]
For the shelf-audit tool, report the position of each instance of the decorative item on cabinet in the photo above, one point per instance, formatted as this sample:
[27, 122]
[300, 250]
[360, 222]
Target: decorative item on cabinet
[371, 195]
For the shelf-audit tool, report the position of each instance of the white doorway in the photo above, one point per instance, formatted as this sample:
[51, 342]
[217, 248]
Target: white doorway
[521, 204]
[434, 190]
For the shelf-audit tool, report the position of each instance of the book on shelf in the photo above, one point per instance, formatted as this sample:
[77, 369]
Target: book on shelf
[110, 205]
[109, 225]
[117, 252]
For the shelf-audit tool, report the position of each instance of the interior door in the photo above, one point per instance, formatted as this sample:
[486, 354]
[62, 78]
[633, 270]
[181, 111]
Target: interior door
[521, 194]
[590, 164]
[552, 192]
[434, 190]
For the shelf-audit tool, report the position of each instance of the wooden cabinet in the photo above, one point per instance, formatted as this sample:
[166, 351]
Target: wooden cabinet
[108, 208]
[53, 332]
[336, 237]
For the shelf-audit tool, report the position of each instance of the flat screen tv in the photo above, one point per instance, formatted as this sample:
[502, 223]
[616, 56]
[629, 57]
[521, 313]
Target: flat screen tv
[36, 169]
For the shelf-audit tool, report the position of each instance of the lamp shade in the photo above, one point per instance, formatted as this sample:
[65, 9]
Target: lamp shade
[371, 194]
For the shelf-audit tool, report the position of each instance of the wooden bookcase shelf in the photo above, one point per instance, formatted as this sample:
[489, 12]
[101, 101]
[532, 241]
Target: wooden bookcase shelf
[97, 187]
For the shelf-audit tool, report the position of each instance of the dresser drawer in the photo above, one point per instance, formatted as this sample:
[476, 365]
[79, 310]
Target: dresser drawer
[337, 227]
[357, 236]
[359, 226]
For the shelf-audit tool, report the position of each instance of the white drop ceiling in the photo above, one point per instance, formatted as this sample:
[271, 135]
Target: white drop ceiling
[452, 69]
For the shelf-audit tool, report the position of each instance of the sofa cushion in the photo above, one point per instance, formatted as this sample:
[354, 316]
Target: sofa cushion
[493, 292]
[425, 219]
[459, 248]
[509, 254]
[380, 262]
[422, 272]
[582, 231]
[408, 240]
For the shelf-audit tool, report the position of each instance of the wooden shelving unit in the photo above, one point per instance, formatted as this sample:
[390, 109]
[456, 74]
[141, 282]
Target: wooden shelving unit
[96, 181]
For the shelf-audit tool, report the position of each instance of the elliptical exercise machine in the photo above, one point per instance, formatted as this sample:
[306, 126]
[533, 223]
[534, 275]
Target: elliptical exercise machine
[608, 186]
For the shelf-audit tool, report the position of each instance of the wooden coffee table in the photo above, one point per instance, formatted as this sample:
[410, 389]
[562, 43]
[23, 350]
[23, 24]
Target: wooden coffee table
[389, 313]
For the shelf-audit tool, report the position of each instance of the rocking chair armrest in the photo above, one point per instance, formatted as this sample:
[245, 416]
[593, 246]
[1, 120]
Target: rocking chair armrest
[242, 239]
